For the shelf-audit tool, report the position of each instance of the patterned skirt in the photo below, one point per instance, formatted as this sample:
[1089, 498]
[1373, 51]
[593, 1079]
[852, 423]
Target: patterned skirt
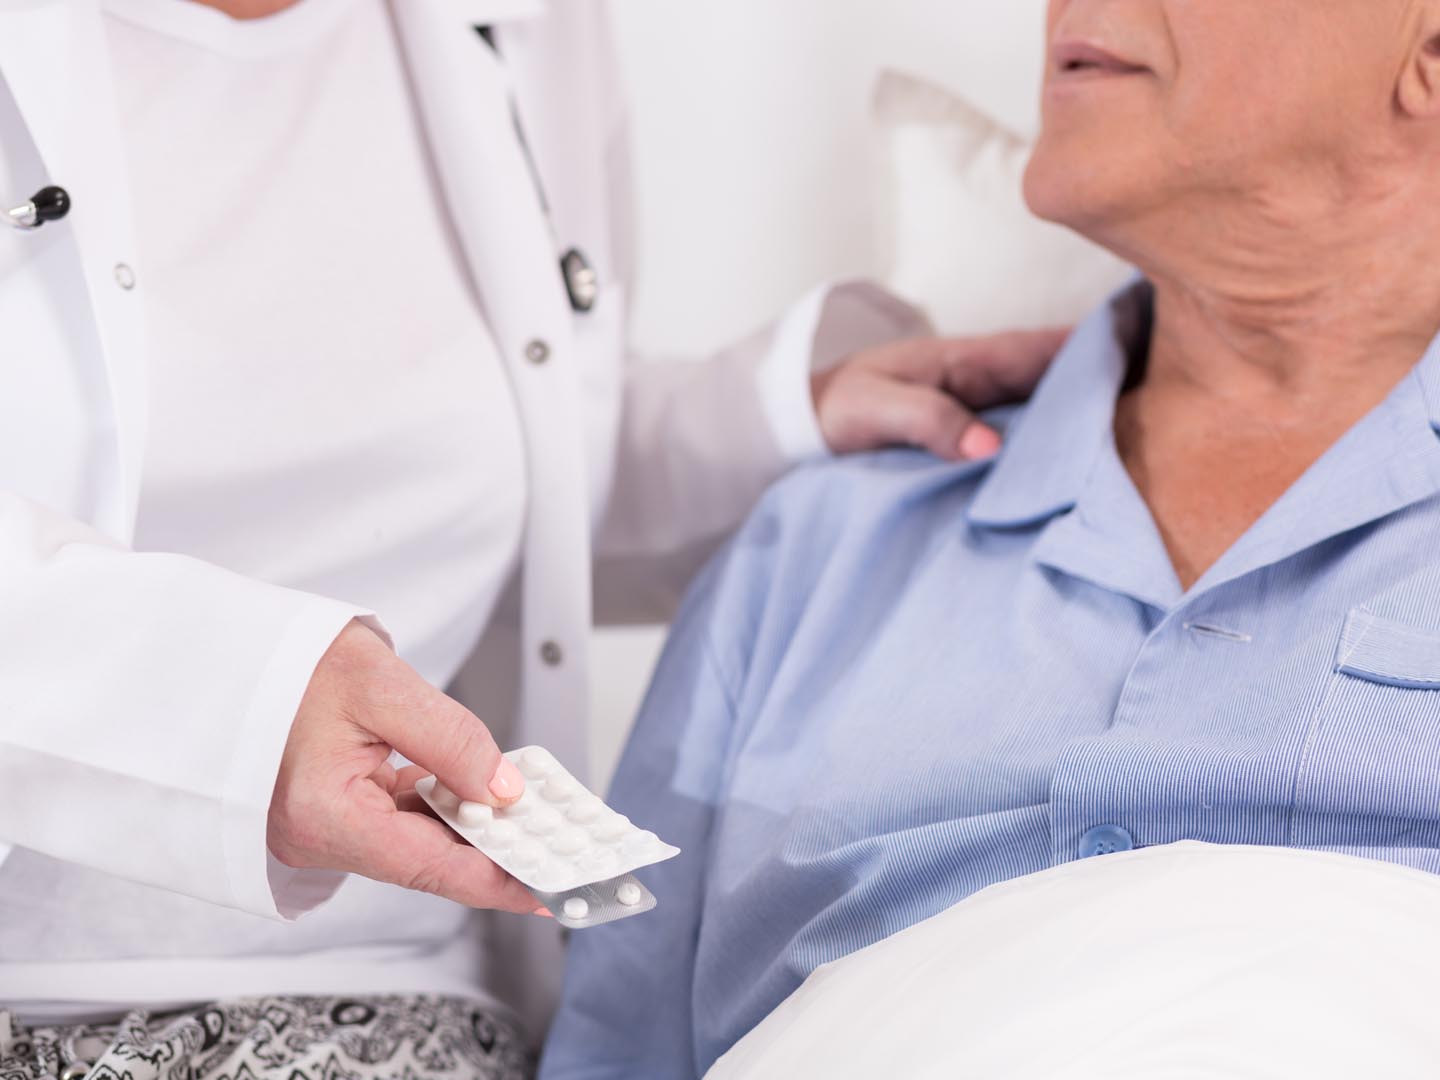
[287, 1038]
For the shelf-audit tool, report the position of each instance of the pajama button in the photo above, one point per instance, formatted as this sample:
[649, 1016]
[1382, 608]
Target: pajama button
[1105, 840]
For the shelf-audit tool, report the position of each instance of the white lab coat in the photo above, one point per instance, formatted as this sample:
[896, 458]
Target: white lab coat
[158, 768]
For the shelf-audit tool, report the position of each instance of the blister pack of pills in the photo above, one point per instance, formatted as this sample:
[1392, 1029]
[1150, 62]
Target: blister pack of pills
[598, 904]
[559, 840]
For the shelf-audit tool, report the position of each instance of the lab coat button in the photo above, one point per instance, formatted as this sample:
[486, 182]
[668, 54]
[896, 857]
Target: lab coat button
[581, 281]
[1105, 840]
[551, 654]
[124, 276]
[537, 352]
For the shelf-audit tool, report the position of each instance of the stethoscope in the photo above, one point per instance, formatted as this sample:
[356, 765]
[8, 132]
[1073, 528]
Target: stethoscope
[48, 204]
[53, 203]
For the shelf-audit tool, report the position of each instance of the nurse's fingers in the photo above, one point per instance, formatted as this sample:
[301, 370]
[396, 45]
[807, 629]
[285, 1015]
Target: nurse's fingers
[407, 778]
[922, 416]
[418, 852]
[447, 739]
[337, 802]
[388, 700]
[875, 397]
[405, 795]
[873, 409]
[983, 372]
[1000, 369]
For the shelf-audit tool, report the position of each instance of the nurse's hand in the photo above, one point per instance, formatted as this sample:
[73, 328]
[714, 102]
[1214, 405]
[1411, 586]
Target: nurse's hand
[925, 392]
[339, 804]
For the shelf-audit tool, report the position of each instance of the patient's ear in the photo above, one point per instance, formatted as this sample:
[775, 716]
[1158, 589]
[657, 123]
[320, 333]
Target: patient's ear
[1419, 91]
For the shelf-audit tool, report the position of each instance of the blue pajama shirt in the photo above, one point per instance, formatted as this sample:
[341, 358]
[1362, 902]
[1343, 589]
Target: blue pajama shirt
[905, 680]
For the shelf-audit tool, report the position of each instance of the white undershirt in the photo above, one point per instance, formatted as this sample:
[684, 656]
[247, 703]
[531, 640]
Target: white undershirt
[328, 412]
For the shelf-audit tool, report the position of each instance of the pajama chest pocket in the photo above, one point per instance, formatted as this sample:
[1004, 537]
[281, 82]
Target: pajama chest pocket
[1369, 776]
[1389, 653]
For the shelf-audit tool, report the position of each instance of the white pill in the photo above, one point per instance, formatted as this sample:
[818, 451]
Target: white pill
[562, 788]
[629, 894]
[499, 835]
[585, 810]
[443, 795]
[545, 820]
[521, 807]
[536, 763]
[527, 853]
[611, 827]
[569, 841]
[577, 907]
[475, 815]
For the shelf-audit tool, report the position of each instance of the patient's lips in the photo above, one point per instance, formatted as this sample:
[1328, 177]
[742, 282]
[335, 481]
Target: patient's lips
[1078, 60]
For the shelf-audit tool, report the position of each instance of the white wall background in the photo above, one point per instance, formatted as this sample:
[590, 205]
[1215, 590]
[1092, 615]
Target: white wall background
[756, 166]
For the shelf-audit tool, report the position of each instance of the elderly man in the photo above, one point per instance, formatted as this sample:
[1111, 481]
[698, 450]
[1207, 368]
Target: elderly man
[906, 681]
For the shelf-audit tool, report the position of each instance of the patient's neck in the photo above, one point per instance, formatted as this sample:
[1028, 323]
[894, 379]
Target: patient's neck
[1272, 338]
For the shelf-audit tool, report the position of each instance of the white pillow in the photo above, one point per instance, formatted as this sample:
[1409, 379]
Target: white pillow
[1186, 962]
[961, 243]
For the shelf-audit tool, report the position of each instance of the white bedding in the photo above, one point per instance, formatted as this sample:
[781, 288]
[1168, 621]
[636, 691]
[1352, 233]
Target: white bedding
[1183, 961]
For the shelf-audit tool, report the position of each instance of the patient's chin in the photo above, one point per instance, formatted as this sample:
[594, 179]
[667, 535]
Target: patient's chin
[1043, 192]
[1080, 194]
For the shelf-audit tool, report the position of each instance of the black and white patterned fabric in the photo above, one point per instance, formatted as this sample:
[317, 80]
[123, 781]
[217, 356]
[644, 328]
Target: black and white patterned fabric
[292, 1038]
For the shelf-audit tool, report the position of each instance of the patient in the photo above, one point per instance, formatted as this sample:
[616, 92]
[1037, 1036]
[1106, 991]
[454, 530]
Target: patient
[1197, 597]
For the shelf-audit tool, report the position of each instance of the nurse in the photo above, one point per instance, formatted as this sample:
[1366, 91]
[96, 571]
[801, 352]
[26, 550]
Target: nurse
[319, 440]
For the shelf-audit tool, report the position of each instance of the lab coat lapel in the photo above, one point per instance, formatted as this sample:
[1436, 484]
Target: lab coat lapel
[503, 228]
[54, 61]
[488, 186]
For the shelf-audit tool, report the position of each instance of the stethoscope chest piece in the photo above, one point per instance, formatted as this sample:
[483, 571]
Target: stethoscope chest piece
[48, 204]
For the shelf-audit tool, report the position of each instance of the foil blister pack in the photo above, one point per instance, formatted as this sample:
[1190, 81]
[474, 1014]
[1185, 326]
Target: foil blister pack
[560, 840]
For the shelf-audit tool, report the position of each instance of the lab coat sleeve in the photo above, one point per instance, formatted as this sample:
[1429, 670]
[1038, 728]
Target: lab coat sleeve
[147, 699]
[700, 441]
